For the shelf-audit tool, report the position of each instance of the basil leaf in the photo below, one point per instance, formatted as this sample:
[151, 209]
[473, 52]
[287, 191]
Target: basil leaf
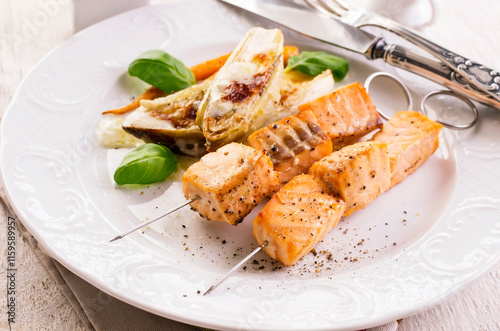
[147, 164]
[162, 70]
[314, 63]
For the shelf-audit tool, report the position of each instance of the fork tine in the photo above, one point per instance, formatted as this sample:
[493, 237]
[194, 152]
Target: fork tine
[337, 6]
[321, 7]
[344, 5]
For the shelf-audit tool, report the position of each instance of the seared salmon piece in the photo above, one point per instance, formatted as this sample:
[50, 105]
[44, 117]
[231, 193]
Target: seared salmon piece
[411, 139]
[230, 182]
[346, 114]
[357, 173]
[295, 90]
[293, 144]
[296, 218]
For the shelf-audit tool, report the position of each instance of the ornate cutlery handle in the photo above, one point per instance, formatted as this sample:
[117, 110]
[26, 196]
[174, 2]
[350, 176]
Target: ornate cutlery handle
[478, 76]
[481, 75]
[434, 70]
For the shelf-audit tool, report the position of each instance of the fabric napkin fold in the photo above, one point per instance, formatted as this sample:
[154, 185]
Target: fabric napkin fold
[97, 310]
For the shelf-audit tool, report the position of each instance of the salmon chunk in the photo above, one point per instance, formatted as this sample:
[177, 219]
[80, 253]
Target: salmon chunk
[230, 182]
[357, 173]
[296, 218]
[346, 114]
[411, 139]
[293, 144]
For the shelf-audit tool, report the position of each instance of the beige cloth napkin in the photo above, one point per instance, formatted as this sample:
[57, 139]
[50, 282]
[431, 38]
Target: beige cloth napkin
[114, 314]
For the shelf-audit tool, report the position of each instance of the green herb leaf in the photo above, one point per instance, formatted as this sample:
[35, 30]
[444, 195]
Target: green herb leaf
[147, 164]
[162, 70]
[314, 63]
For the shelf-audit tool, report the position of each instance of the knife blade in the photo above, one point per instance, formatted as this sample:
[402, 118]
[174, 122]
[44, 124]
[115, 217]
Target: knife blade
[311, 24]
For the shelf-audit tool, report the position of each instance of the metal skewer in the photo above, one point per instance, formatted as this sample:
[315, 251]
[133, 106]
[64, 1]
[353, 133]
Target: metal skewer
[242, 262]
[155, 219]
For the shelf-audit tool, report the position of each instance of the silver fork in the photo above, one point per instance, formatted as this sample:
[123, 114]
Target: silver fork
[348, 13]
[478, 76]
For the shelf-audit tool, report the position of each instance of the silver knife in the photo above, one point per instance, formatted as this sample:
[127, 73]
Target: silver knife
[312, 24]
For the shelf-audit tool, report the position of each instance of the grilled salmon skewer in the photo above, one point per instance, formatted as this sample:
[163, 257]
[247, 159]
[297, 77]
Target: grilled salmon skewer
[231, 182]
[225, 185]
[295, 220]
[356, 174]
[305, 209]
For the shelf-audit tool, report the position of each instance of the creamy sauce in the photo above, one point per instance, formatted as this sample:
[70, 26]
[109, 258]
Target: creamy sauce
[141, 118]
[233, 72]
[109, 133]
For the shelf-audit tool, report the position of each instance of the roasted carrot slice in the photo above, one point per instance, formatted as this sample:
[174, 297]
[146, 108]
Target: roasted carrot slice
[206, 69]
[150, 94]
[289, 51]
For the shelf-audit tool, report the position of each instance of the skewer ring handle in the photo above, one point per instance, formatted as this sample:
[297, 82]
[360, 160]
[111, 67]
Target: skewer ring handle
[408, 97]
[475, 115]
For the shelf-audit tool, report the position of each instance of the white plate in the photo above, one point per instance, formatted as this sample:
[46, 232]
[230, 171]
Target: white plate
[415, 245]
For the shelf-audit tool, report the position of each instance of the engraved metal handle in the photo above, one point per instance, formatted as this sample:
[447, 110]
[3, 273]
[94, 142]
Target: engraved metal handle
[479, 77]
[432, 69]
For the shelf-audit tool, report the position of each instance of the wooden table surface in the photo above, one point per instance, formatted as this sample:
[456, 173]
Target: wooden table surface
[29, 29]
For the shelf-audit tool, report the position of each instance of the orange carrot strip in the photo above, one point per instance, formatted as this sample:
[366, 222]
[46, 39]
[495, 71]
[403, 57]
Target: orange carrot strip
[289, 51]
[150, 94]
[206, 69]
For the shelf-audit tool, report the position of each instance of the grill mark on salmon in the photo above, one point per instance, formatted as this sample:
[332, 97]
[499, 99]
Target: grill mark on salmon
[293, 144]
[346, 114]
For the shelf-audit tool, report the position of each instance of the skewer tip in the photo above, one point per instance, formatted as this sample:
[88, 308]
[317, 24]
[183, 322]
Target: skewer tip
[227, 274]
[209, 290]
[115, 238]
[120, 236]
